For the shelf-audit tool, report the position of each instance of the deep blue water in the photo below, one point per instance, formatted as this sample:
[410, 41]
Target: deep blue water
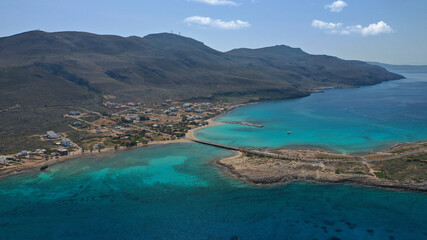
[171, 192]
[345, 120]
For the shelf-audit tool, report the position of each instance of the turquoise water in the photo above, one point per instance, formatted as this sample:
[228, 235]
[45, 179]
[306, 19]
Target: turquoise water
[172, 192]
[344, 120]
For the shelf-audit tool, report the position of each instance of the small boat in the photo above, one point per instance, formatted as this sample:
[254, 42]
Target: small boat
[289, 132]
[44, 167]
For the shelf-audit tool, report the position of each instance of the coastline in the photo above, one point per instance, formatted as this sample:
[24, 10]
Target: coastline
[349, 179]
[269, 176]
[36, 166]
[256, 176]
[261, 171]
[211, 122]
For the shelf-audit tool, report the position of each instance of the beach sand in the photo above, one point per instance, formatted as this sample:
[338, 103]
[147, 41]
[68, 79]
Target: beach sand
[211, 122]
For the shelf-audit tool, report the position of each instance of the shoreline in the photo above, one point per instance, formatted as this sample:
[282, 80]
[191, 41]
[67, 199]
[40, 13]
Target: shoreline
[25, 168]
[264, 172]
[9, 171]
[211, 122]
[231, 171]
[349, 179]
[36, 166]
[384, 149]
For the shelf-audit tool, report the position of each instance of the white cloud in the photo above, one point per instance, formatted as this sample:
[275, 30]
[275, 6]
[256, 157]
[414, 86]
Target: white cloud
[217, 23]
[336, 6]
[339, 28]
[325, 25]
[217, 2]
[377, 28]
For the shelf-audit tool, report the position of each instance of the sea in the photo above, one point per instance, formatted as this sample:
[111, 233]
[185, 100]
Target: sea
[351, 120]
[173, 191]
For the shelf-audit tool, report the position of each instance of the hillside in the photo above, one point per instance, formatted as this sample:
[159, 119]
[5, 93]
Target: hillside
[44, 75]
[74, 67]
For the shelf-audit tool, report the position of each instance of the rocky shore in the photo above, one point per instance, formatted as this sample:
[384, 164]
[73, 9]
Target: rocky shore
[270, 171]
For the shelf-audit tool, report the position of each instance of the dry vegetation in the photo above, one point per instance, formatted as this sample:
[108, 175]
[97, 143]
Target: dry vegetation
[407, 172]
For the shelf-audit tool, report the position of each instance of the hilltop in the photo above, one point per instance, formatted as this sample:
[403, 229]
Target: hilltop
[66, 68]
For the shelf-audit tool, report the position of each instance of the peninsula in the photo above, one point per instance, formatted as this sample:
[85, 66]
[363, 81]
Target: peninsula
[86, 104]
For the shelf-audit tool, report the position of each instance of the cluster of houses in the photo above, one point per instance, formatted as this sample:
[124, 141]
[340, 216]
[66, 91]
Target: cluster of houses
[4, 160]
[112, 105]
[193, 118]
[187, 107]
[65, 142]
[172, 111]
[192, 113]
[133, 104]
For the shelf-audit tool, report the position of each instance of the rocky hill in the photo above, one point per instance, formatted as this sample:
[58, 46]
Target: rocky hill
[74, 68]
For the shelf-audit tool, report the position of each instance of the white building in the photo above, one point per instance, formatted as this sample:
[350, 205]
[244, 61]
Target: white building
[66, 142]
[39, 151]
[3, 160]
[52, 135]
[24, 153]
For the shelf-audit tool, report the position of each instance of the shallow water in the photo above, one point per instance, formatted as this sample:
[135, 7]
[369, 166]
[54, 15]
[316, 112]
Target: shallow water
[172, 192]
[345, 120]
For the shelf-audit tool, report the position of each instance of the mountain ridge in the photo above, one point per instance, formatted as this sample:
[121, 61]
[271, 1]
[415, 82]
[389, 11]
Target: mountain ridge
[163, 65]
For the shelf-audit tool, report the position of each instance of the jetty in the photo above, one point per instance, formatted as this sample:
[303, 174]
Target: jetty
[246, 124]
[216, 145]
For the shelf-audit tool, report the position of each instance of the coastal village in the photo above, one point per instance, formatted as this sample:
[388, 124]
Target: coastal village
[122, 125]
[132, 124]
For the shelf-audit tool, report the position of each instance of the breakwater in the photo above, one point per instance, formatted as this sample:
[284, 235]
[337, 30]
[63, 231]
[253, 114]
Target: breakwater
[246, 124]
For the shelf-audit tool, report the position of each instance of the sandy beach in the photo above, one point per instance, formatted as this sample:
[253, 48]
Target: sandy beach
[211, 122]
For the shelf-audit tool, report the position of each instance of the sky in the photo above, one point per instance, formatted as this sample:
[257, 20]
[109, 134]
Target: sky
[388, 31]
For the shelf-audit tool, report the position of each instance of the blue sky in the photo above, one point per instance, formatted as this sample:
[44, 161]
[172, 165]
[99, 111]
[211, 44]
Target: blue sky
[390, 31]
